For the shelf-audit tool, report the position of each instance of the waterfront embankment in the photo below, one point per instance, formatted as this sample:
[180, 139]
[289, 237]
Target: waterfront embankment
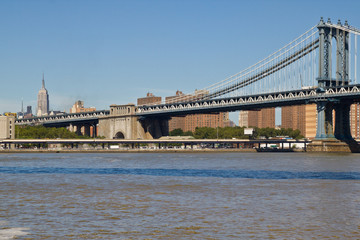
[126, 150]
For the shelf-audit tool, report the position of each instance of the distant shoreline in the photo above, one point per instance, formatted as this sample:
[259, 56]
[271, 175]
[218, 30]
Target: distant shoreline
[127, 151]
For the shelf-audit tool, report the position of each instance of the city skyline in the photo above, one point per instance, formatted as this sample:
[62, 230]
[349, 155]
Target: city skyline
[132, 48]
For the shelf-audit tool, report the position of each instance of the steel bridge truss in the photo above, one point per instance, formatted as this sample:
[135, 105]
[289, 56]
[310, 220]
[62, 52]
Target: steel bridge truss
[72, 117]
[303, 96]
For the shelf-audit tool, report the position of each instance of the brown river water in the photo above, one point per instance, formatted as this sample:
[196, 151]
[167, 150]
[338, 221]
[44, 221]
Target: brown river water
[180, 196]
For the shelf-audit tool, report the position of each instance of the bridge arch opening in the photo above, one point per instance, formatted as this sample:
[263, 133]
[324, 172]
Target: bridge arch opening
[119, 135]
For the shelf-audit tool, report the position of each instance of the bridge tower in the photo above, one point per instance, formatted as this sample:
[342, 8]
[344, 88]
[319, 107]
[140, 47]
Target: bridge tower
[325, 107]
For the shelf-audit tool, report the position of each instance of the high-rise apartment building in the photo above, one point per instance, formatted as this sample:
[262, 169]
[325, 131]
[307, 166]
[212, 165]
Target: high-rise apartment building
[43, 100]
[355, 120]
[149, 99]
[261, 118]
[243, 118]
[192, 121]
[79, 107]
[302, 117]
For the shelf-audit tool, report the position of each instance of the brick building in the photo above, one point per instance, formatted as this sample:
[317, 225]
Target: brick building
[149, 99]
[190, 122]
[355, 120]
[79, 107]
[302, 117]
[257, 118]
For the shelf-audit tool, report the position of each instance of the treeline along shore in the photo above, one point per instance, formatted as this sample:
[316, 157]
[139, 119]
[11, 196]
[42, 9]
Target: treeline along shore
[41, 139]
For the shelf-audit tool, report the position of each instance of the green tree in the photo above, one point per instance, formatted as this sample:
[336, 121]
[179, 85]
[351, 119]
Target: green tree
[40, 132]
[188, 133]
[205, 133]
[177, 132]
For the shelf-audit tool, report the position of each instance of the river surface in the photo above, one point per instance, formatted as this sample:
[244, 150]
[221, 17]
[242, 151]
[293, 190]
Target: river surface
[180, 196]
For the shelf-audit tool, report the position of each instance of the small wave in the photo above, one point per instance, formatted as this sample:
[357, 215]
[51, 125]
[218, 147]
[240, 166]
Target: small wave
[255, 174]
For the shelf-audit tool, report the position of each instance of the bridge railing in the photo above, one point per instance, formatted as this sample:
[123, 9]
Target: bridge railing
[61, 117]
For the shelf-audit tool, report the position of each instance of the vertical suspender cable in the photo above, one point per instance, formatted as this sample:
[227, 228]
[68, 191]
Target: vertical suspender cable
[355, 63]
[349, 57]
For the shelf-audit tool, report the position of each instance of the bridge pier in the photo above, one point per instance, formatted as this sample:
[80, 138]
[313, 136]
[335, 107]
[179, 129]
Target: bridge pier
[87, 130]
[155, 127]
[122, 122]
[78, 130]
[324, 120]
[326, 140]
[342, 121]
[94, 130]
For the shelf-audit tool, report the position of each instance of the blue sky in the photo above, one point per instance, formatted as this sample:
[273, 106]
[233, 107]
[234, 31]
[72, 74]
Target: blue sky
[112, 52]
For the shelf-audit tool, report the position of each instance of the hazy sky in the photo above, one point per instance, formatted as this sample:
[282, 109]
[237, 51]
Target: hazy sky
[112, 52]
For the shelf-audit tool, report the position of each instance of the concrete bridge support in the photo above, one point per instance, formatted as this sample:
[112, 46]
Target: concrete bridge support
[324, 120]
[87, 130]
[123, 123]
[341, 140]
[78, 130]
[71, 127]
[155, 127]
[342, 121]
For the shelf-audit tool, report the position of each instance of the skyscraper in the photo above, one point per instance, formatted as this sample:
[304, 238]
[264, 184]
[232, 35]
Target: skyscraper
[43, 100]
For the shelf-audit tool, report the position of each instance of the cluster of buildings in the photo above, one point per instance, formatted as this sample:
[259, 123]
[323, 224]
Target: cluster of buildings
[302, 117]
[7, 120]
[191, 121]
[43, 106]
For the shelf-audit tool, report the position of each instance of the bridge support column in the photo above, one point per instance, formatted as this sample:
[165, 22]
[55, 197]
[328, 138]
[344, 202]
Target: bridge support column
[94, 130]
[156, 127]
[325, 140]
[342, 121]
[78, 130]
[324, 128]
[87, 130]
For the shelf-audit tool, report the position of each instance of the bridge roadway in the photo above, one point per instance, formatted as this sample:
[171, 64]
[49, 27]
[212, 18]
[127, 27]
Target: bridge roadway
[64, 120]
[251, 102]
[265, 100]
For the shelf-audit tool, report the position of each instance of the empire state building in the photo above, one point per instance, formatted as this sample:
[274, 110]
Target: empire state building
[43, 100]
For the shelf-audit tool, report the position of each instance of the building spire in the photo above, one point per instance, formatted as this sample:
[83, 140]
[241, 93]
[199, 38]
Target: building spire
[43, 82]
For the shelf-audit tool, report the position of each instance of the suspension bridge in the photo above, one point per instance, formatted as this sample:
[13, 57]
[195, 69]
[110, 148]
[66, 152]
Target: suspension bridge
[319, 66]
